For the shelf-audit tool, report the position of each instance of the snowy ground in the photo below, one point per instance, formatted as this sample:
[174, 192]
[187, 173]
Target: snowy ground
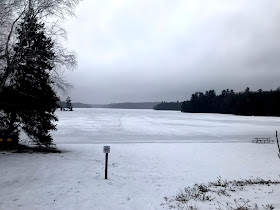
[140, 174]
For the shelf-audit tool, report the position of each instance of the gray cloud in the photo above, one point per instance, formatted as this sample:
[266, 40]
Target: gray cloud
[165, 50]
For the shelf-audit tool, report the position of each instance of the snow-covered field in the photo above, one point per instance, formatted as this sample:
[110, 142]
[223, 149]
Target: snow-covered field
[144, 164]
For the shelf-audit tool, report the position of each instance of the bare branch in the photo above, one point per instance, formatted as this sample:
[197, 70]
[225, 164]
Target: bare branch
[8, 69]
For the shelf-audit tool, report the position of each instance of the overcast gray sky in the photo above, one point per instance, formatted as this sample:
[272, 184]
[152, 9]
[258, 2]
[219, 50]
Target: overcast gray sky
[155, 50]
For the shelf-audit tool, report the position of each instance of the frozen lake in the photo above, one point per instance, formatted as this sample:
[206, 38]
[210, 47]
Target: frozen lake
[86, 126]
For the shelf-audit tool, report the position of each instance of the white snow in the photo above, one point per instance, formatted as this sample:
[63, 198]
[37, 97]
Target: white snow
[140, 174]
[138, 126]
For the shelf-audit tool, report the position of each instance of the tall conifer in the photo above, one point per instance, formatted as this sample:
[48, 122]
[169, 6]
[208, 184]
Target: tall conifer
[31, 98]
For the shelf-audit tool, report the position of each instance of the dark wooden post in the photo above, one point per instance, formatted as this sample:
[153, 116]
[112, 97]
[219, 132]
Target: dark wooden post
[278, 144]
[106, 166]
[106, 149]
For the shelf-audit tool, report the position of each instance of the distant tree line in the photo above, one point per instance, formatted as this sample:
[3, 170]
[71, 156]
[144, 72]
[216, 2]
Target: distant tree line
[258, 103]
[169, 106]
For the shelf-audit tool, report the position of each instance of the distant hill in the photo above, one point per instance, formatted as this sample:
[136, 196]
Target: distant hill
[81, 105]
[75, 105]
[127, 105]
[98, 105]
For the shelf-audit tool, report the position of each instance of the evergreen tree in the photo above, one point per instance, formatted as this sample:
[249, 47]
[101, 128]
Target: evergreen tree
[69, 104]
[30, 98]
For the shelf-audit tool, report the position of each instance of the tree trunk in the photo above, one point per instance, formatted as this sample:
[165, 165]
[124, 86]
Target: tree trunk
[11, 127]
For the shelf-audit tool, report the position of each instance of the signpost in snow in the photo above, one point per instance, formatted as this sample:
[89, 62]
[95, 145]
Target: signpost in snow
[106, 150]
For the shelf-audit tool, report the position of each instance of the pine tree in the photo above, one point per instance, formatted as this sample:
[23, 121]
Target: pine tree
[33, 100]
[69, 104]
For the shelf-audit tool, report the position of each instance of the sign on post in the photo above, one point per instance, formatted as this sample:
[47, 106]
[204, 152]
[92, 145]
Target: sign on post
[106, 150]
